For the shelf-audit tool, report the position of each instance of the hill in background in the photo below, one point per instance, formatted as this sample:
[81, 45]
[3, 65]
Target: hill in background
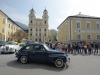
[53, 31]
[23, 26]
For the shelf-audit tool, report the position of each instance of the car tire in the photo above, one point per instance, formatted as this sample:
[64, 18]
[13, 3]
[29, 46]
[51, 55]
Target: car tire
[59, 63]
[1, 52]
[23, 59]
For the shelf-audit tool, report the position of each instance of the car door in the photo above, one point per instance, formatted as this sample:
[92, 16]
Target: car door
[39, 53]
[28, 50]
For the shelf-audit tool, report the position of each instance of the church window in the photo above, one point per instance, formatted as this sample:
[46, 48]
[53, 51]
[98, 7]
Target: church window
[45, 13]
[45, 29]
[31, 21]
[45, 22]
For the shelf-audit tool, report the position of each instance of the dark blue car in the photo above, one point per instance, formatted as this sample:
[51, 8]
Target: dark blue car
[41, 53]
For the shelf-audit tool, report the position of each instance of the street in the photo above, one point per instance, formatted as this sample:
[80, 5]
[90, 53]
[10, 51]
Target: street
[79, 65]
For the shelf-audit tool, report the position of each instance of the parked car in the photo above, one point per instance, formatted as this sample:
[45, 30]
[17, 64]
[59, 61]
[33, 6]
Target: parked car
[41, 53]
[2, 43]
[9, 47]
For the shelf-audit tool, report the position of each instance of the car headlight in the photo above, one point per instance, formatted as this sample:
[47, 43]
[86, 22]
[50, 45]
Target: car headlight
[3, 48]
[11, 48]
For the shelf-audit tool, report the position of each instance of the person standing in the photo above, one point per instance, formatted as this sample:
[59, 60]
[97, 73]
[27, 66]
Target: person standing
[69, 47]
[99, 48]
[89, 48]
[96, 48]
[85, 48]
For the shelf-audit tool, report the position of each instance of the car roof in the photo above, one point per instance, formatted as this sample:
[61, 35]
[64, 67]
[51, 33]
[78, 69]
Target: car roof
[35, 44]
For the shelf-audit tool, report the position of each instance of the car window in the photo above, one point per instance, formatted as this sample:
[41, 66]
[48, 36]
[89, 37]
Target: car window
[39, 47]
[29, 47]
[47, 47]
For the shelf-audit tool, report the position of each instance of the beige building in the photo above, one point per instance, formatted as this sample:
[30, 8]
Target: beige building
[7, 27]
[79, 28]
[38, 28]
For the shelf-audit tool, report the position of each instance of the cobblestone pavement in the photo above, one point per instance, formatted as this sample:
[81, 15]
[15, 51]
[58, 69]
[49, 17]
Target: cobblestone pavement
[79, 65]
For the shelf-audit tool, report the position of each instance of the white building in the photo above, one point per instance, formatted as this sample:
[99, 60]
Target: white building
[38, 28]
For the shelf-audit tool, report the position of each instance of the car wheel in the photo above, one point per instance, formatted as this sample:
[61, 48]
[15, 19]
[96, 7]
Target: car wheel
[1, 52]
[23, 59]
[59, 63]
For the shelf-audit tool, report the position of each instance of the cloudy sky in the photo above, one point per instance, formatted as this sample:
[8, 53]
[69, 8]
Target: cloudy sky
[58, 10]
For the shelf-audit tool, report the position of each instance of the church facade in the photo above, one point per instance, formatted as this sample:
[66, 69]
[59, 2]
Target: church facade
[38, 27]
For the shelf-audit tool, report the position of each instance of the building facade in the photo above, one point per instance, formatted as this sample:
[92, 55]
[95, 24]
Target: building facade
[7, 27]
[79, 28]
[38, 28]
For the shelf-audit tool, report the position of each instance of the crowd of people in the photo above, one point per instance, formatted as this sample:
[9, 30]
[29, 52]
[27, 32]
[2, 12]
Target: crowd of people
[78, 47]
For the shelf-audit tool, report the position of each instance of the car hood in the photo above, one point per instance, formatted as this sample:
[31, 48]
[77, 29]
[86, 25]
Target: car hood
[10, 45]
[56, 51]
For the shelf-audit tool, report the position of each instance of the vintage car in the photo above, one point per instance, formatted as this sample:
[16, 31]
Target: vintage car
[2, 43]
[9, 47]
[41, 53]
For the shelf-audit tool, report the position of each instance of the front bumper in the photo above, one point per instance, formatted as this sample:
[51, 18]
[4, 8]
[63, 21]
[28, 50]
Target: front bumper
[68, 60]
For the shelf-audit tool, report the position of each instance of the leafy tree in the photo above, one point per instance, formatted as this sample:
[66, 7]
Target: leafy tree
[19, 35]
[55, 39]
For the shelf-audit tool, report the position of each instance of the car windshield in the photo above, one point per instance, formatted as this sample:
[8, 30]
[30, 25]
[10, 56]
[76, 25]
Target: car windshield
[21, 45]
[11, 43]
[3, 43]
[47, 47]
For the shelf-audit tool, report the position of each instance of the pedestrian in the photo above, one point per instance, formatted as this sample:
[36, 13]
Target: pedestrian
[85, 48]
[89, 48]
[96, 48]
[69, 47]
[99, 48]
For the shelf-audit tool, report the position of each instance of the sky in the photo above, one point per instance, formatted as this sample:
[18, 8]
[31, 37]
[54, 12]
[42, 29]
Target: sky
[58, 10]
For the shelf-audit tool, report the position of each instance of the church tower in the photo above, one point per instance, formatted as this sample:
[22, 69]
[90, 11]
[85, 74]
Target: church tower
[38, 27]
[31, 21]
[45, 18]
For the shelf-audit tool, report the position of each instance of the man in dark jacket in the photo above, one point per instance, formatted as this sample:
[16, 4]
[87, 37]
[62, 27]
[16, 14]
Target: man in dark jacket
[96, 48]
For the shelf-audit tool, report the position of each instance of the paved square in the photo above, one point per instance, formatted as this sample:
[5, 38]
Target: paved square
[79, 65]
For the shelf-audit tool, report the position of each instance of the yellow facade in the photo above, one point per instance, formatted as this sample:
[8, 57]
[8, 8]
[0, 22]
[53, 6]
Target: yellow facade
[79, 28]
[7, 27]
[2, 25]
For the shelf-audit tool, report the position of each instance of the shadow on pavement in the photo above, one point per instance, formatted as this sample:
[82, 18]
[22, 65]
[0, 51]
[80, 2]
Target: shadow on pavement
[35, 65]
[6, 53]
